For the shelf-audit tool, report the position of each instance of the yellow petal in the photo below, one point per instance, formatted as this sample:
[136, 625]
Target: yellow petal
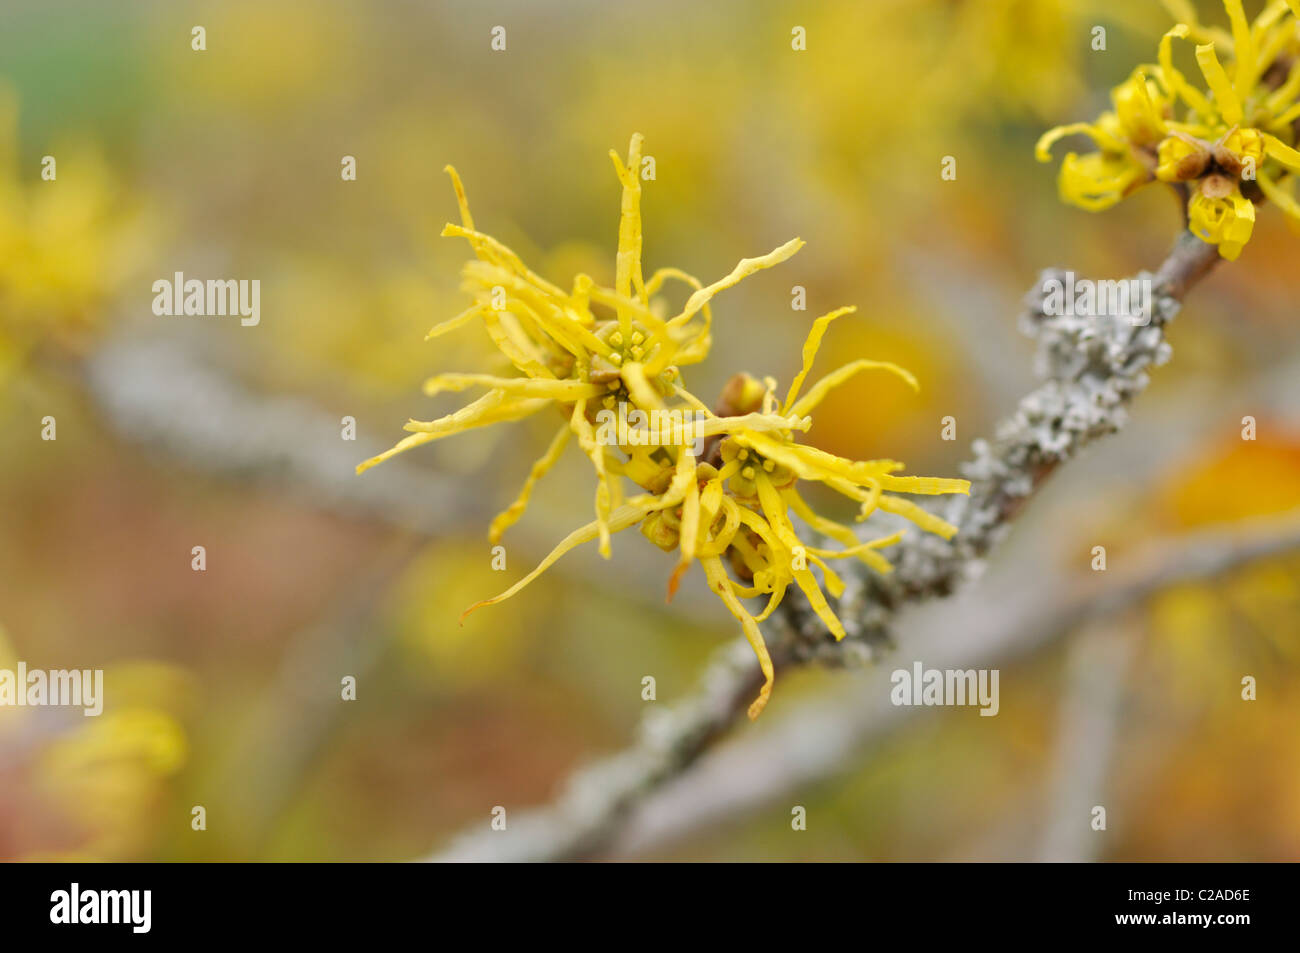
[1280, 195]
[1043, 148]
[745, 268]
[1224, 95]
[817, 601]
[627, 515]
[1174, 81]
[663, 274]
[834, 584]
[452, 324]
[721, 584]
[1185, 13]
[817, 393]
[810, 463]
[643, 395]
[466, 219]
[510, 515]
[918, 515]
[515, 345]
[810, 346]
[406, 443]
[628, 260]
[819, 523]
[774, 600]
[1287, 92]
[1291, 115]
[489, 249]
[723, 537]
[690, 533]
[1279, 150]
[1225, 222]
[563, 391]
[929, 486]
[596, 453]
[1098, 180]
[1246, 70]
[492, 407]
[866, 552]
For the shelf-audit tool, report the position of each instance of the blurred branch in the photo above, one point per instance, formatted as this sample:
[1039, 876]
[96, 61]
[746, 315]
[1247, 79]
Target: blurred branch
[166, 395]
[597, 798]
[823, 738]
[302, 707]
[1091, 367]
[1097, 670]
[161, 393]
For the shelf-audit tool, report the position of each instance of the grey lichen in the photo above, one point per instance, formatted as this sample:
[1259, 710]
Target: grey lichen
[1091, 368]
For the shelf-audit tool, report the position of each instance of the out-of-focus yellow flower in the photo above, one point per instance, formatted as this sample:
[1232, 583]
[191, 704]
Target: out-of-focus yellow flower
[104, 777]
[107, 774]
[1232, 144]
[469, 655]
[1260, 601]
[595, 350]
[64, 243]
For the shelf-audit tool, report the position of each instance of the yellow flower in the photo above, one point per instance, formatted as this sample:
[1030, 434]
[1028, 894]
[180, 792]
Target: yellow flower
[1223, 220]
[737, 514]
[1232, 144]
[1125, 137]
[64, 244]
[1098, 180]
[587, 349]
[594, 350]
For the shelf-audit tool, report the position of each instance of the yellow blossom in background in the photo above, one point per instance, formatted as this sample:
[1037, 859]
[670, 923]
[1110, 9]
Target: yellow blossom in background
[65, 243]
[107, 774]
[105, 778]
[591, 350]
[1260, 601]
[1229, 145]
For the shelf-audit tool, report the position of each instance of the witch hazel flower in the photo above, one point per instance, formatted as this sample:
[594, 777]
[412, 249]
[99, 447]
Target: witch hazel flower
[1227, 147]
[591, 350]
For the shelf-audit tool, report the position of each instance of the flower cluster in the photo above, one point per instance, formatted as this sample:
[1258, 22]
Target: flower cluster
[591, 350]
[1229, 145]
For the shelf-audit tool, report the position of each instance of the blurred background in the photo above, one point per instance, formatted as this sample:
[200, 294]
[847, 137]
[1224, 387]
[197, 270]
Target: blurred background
[223, 686]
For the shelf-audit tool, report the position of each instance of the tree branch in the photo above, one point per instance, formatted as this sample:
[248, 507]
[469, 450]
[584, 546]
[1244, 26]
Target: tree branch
[825, 736]
[1092, 368]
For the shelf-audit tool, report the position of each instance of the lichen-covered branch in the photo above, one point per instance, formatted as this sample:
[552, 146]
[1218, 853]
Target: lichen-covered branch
[1091, 370]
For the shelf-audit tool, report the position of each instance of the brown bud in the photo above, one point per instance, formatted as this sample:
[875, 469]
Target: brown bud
[1217, 186]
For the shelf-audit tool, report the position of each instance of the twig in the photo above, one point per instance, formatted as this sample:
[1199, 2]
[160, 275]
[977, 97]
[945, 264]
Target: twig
[168, 396]
[1092, 368]
[1098, 666]
[162, 393]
